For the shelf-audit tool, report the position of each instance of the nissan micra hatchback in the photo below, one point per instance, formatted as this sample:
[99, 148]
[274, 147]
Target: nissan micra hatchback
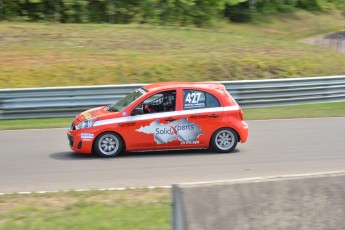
[162, 116]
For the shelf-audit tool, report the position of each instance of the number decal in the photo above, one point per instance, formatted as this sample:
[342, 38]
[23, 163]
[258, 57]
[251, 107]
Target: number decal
[193, 98]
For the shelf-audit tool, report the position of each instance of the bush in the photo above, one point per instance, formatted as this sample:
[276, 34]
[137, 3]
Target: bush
[239, 13]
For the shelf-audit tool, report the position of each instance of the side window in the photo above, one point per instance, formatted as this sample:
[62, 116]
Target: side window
[195, 99]
[160, 102]
[211, 101]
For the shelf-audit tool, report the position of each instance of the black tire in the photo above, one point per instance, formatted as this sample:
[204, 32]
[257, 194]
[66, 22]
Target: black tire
[224, 140]
[108, 144]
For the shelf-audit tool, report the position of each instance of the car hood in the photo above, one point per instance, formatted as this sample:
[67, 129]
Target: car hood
[92, 113]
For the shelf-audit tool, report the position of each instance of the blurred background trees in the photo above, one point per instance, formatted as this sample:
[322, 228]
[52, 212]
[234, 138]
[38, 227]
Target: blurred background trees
[162, 12]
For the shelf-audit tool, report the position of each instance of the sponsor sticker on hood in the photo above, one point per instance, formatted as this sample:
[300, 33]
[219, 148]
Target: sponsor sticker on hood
[92, 113]
[87, 115]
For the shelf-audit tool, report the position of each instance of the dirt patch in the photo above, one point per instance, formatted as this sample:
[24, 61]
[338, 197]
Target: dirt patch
[274, 31]
[334, 41]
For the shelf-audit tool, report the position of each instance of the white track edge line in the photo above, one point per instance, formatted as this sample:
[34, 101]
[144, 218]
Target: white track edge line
[262, 178]
[287, 176]
[87, 190]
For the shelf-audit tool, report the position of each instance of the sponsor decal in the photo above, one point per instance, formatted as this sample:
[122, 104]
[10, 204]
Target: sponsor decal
[87, 136]
[183, 130]
[87, 115]
[199, 116]
[126, 124]
[91, 114]
[87, 140]
[141, 91]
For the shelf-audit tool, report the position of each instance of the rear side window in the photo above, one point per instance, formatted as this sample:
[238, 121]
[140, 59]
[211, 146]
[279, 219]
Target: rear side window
[195, 99]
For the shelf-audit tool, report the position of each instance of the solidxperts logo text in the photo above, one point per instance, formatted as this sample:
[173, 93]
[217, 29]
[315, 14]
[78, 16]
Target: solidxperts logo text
[181, 129]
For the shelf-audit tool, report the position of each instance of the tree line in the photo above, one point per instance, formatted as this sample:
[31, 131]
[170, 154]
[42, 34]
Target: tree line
[161, 12]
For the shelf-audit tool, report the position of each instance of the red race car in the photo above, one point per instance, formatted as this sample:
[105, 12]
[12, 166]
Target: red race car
[162, 116]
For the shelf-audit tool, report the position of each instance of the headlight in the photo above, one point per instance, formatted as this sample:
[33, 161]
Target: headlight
[86, 124]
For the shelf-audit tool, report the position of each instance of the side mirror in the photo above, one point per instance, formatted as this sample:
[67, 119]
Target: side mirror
[137, 111]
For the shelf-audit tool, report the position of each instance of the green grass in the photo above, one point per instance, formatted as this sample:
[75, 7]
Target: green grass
[336, 109]
[47, 54]
[93, 210]
[36, 123]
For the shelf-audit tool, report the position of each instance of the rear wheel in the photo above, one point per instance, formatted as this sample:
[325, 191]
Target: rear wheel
[224, 140]
[108, 145]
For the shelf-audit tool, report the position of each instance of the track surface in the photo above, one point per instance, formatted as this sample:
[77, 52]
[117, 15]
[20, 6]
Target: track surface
[40, 160]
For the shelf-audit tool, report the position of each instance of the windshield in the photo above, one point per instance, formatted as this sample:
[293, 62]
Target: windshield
[126, 101]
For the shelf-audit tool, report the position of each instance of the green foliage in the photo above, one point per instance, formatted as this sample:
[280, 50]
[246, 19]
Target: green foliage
[320, 5]
[10, 9]
[163, 12]
[250, 10]
[312, 5]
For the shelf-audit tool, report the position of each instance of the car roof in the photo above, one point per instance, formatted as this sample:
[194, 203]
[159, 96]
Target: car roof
[169, 85]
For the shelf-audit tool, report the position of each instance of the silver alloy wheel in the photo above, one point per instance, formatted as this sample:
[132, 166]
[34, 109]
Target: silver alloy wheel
[225, 139]
[108, 144]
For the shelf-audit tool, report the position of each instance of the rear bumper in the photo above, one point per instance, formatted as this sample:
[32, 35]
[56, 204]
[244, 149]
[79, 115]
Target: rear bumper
[244, 132]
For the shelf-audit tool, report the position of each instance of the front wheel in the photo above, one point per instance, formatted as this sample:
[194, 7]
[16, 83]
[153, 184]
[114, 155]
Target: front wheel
[108, 145]
[224, 140]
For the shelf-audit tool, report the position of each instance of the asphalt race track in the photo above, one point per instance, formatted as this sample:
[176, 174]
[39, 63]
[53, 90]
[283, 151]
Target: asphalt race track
[40, 160]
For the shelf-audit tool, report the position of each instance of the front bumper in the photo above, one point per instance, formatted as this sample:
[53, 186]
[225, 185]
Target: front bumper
[70, 139]
[78, 142]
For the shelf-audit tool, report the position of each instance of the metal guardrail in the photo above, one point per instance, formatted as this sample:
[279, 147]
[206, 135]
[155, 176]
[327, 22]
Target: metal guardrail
[69, 101]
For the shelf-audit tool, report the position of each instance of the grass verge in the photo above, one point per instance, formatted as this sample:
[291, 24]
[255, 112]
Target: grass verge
[92, 210]
[36, 123]
[336, 109]
[47, 54]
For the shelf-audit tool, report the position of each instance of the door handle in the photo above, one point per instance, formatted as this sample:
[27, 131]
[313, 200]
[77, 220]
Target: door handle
[213, 116]
[170, 119]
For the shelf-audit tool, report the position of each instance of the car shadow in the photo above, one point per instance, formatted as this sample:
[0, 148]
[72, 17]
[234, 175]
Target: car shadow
[71, 156]
[182, 153]
[144, 154]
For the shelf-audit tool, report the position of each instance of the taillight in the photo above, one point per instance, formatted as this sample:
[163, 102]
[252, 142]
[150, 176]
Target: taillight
[241, 114]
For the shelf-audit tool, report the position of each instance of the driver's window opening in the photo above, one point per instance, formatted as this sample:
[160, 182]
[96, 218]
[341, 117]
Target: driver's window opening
[160, 102]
